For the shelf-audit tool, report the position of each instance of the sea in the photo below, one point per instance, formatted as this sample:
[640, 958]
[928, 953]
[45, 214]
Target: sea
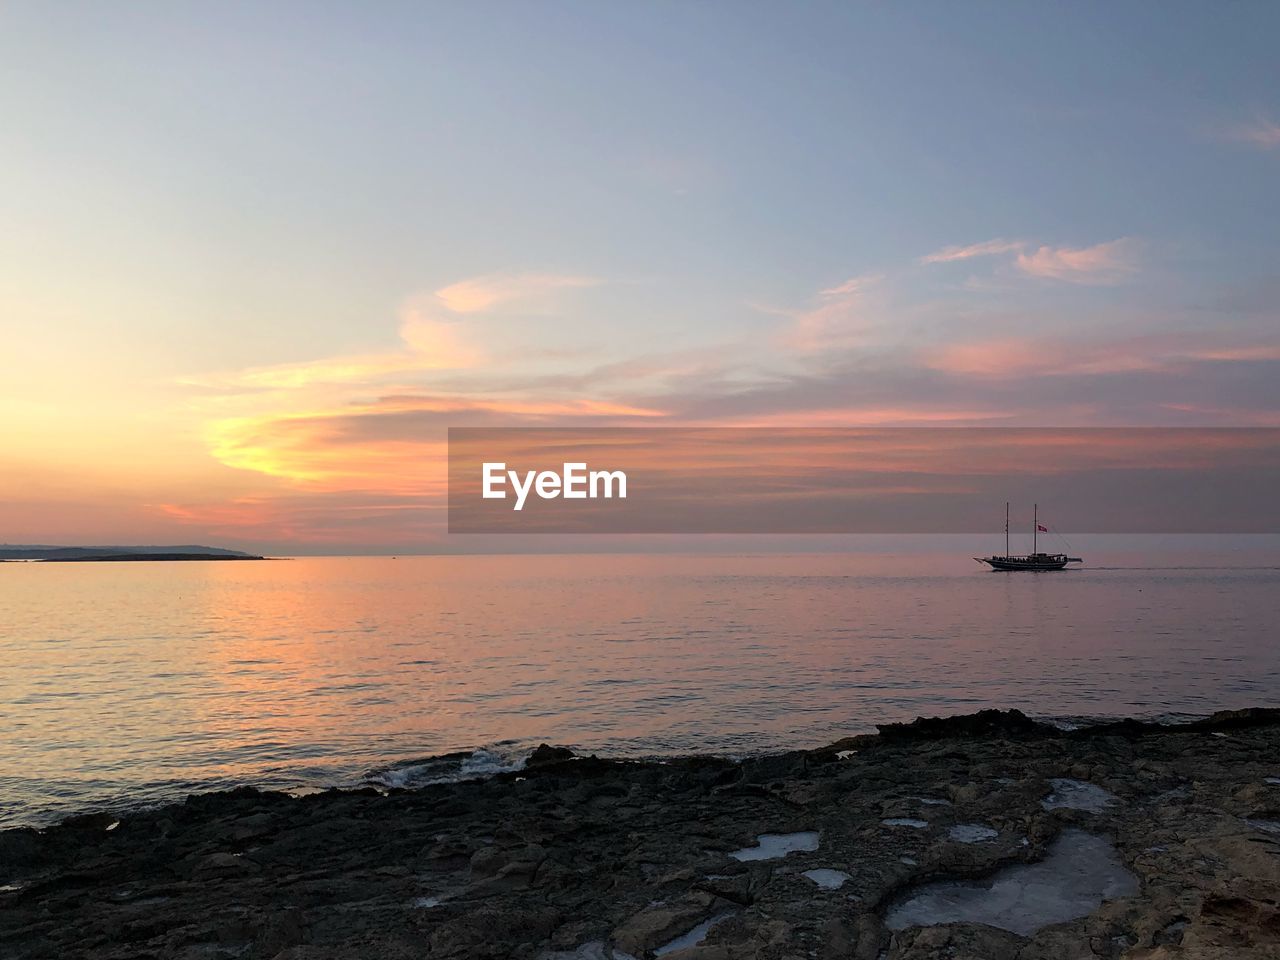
[132, 684]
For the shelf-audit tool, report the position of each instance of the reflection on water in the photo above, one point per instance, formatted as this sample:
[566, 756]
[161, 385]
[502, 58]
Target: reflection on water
[144, 681]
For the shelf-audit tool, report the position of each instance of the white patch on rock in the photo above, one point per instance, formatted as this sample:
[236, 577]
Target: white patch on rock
[908, 861]
[1078, 795]
[426, 903]
[911, 822]
[770, 846]
[827, 879]
[1080, 872]
[972, 833]
[1063, 723]
[1274, 781]
[692, 938]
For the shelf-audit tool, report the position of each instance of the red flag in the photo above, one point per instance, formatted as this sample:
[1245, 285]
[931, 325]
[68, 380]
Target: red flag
[1042, 528]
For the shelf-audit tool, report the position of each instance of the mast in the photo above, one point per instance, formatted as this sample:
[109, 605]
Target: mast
[1006, 528]
[1035, 524]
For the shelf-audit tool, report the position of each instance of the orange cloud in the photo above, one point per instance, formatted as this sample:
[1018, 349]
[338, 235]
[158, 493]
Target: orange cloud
[395, 445]
[311, 433]
[486, 292]
[436, 344]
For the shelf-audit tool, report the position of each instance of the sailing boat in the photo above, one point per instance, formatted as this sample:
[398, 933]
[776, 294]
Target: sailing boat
[1033, 560]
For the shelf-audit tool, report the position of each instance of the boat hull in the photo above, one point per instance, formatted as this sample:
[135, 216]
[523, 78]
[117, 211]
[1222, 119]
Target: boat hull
[1026, 563]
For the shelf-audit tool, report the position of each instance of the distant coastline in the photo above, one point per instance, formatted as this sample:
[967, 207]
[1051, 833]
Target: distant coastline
[93, 554]
[145, 556]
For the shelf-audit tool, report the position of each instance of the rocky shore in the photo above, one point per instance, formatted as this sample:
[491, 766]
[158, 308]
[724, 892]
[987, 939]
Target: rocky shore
[975, 838]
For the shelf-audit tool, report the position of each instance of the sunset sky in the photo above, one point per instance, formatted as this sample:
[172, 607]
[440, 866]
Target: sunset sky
[255, 258]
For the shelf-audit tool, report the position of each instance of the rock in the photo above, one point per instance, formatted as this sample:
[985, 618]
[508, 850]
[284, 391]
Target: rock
[604, 855]
[660, 923]
[839, 939]
[544, 754]
[494, 861]
[20, 849]
[737, 889]
[1239, 719]
[283, 929]
[217, 865]
[984, 723]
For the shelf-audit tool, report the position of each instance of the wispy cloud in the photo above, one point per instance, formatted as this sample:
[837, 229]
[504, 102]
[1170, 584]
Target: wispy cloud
[987, 248]
[836, 317]
[433, 332]
[393, 445]
[852, 286]
[437, 343]
[1262, 132]
[374, 422]
[495, 289]
[1102, 264]
[428, 344]
[359, 439]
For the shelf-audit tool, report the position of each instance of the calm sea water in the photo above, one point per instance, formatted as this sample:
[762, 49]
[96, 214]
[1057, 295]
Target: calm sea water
[136, 683]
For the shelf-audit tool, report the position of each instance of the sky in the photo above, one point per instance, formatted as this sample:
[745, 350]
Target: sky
[256, 258]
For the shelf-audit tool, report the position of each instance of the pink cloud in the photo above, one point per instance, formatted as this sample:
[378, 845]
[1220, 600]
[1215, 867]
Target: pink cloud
[987, 248]
[851, 286]
[1102, 264]
[1015, 357]
[864, 416]
[1262, 132]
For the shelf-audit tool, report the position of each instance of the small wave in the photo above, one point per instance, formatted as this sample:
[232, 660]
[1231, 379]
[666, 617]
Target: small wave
[1073, 722]
[448, 768]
